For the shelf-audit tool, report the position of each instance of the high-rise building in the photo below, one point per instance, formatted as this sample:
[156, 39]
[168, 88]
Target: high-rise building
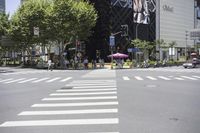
[2, 6]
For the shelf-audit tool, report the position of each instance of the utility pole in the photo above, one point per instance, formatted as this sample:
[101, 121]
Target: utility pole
[186, 38]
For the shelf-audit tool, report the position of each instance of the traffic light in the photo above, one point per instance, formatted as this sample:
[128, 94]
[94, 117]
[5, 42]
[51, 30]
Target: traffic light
[124, 30]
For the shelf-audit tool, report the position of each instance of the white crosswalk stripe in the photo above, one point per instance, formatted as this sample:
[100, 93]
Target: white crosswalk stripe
[60, 122]
[75, 104]
[40, 80]
[6, 80]
[12, 81]
[66, 79]
[27, 80]
[54, 79]
[167, 78]
[126, 78]
[86, 90]
[79, 94]
[152, 78]
[138, 78]
[189, 77]
[34, 80]
[62, 112]
[79, 98]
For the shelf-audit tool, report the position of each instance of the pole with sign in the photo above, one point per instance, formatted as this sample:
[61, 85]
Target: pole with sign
[112, 44]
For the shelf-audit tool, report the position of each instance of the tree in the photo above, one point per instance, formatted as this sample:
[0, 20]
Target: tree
[72, 19]
[145, 46]
[161, 44]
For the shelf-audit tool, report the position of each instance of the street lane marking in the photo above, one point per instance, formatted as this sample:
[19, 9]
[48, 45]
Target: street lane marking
[39, 80]
[66, 79]
[8, 82]
[83, 90]
[196, 77]
[178, 78]
[78, 87]
[103, 132]
[27, 80]
[138, 78]
[79, 98]
[74, 104]
[54, 79]
[61, 122]
[126, 78]
[152, 78]
[96, 84]
[189, 78]
[78, 94]
[69, 112]
[165, 78]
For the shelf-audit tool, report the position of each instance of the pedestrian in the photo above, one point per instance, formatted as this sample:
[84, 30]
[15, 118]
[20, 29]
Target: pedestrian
[50, 65]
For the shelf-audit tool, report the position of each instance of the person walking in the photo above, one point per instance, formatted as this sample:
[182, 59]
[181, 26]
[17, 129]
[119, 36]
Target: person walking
[49, 65]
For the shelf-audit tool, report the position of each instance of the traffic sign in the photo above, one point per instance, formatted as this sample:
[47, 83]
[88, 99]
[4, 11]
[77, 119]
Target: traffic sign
[112, 41]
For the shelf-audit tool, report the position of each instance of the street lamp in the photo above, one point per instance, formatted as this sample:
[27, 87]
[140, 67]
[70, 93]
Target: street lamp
[186, 37]
[136, 30]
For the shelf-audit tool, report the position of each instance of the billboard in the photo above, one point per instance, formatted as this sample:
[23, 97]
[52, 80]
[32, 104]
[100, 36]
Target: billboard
[122, 3]
[142, 10]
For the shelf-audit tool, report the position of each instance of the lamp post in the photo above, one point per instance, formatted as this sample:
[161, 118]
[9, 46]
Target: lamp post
[136, 30]
[186, 35]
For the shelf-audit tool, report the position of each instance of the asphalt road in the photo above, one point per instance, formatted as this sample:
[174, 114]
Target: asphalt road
[101, 101]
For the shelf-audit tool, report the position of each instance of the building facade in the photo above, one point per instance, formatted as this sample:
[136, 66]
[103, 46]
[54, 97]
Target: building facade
[2, 6]
[175, 19]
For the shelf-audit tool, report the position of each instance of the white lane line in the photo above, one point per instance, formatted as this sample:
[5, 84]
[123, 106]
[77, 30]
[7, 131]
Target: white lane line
[79, 98]
[14, 81]
[97, 84]
[189, 78]
[165, 78]
[103, 132]
[138, 78]
[83, 90]
[66, 79]
[152, 78]
[27, 80]
[78, 87]
[74, 104]
[69, 112]
[6, 80]
[126, 78]
[54, 79]
[61, 122]
[178, 78]
[79, 94]
[39, 80]
[196, 77]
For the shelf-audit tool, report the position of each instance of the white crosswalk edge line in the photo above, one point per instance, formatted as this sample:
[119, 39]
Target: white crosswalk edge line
[61, 122]
[94, 87]
[66, 79]
[165, 78]
[152, 78]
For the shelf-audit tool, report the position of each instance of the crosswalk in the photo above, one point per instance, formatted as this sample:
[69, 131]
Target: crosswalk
[87, 102]
[34, 80]
[164, 78]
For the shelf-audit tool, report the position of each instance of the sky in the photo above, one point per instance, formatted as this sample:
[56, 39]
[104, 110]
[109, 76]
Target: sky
[11, 6]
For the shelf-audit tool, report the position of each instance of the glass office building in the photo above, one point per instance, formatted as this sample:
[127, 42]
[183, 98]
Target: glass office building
[2, 6]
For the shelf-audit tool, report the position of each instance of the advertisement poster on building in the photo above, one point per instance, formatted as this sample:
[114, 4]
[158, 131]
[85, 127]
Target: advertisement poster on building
[142, 9]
